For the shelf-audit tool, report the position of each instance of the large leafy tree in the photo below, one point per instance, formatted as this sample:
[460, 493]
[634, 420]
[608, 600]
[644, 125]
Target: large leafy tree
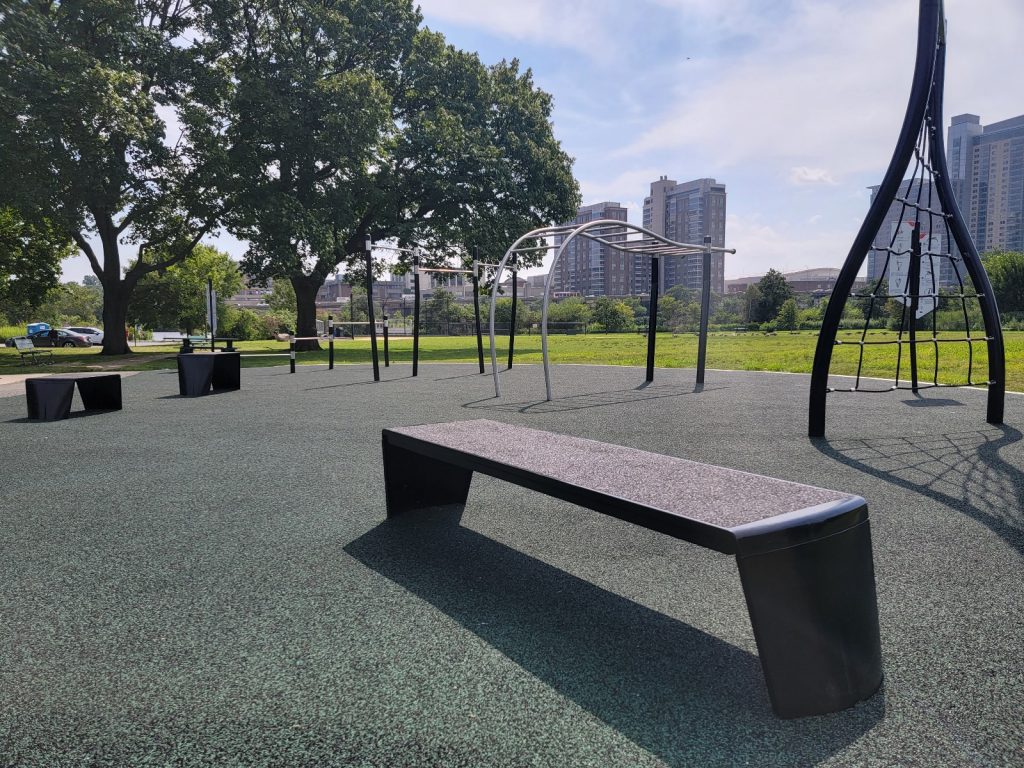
[773, 291]
[350, 123]
[175, 298]
[30, 257]
[88, 91]
[1006, 273]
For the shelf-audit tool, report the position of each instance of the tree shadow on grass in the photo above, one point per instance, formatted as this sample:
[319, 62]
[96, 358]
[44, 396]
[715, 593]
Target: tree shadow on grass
[680, 693]
[962, 470]
[612, 397]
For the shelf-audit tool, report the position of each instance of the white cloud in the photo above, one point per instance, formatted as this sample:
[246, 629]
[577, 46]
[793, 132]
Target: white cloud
[801, 174]
[574, 24]
[828, 86]
[762, 245]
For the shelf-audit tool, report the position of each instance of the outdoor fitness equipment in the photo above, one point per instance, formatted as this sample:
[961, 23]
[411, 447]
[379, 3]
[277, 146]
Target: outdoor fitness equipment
[475, 274]
[917, 248]
[601, 231]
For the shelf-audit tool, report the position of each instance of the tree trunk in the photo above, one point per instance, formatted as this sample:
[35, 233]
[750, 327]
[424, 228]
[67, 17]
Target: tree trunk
[306, 288]
[115, 319]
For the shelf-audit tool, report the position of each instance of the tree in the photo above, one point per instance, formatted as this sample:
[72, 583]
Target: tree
[614, 315]
[281, 297]
[1006, 273]
[774, 290]
[86, 88]
[30, 257]
[441, 311]
[503, 313]
[352, 123]
[571, 309]
[71, 304]
[176, 297]
[788, 318]
[751, 304]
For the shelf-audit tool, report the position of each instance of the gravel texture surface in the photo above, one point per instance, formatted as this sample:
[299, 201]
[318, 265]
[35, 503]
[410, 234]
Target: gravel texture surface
[211, 581]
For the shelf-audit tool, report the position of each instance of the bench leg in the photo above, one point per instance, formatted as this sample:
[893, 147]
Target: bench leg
[49, 399]
[100, 393]
[815, 618]
[413, 481]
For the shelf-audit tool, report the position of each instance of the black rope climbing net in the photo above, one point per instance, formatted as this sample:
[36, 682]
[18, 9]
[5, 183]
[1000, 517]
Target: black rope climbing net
[924, 274]
[929, 263]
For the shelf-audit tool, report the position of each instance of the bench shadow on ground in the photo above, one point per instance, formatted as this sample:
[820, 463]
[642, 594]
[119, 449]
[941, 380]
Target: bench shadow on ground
[585, 400]
[680, 693]
[962, 470]
[72, 415]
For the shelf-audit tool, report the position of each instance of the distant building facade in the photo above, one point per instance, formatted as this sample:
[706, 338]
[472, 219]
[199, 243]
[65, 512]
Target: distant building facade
[684, 212]
[986, 169]
[815, 281]
[896, 232]
[589, 268]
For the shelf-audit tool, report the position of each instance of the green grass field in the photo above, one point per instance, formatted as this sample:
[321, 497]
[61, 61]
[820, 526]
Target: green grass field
[792, 352]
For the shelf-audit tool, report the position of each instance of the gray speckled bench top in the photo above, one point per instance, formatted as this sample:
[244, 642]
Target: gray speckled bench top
[715, 496]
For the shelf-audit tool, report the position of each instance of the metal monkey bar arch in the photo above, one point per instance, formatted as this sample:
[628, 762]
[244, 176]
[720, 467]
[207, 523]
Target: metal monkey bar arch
[649, 243]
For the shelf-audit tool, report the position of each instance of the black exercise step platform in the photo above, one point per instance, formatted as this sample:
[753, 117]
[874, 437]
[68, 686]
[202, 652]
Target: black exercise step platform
[804, 553]
[199, 373]
[49, 399]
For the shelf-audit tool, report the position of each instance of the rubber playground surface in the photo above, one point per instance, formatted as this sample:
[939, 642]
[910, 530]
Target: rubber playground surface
[212, 581]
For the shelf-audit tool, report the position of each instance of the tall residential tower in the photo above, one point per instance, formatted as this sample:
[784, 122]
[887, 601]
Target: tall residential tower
[685, 213]
[588, 268]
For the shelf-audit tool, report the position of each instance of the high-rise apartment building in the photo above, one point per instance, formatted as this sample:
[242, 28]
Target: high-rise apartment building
[589, 268]
[986, 168]
[685, 213]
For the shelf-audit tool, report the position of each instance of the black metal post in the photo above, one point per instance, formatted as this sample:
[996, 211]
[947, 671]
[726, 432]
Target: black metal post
[291, 354]
[705, 310]
[512, 326]
[476, 308]
[330, 342]
[652, 317]
[387, 357]
[913, 287]
[416, 314]
[369, 311]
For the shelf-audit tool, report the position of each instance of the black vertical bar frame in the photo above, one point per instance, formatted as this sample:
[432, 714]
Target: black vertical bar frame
[652, 318]
[705, 309]
[369, 312]
[913, 286]
[330, 342]
[917, 107]
[291, 354]
[387, 355]
[512, 326]
[476, 308]
[416, 314]
[968, 250]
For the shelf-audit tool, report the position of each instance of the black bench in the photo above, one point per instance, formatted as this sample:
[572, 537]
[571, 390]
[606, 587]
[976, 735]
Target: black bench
[49, 399]
[804, 553]
[199, 373]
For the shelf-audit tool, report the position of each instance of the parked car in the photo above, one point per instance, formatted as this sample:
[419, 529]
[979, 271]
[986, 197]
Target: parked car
[64, 339]
[95, 335]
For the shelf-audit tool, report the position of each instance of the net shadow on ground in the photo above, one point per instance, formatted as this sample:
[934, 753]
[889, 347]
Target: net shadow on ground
[680, 693]
[962, 470]
[590, 399]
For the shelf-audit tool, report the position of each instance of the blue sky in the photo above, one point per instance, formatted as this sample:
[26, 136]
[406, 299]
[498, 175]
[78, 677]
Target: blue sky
[794, 104]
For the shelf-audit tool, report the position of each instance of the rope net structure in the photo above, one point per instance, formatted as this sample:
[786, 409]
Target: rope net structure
[928, 280]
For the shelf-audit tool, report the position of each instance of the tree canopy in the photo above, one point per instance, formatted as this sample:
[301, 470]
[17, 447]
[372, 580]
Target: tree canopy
[30, 257]
[352, 123]
[773, 290]
[1006, 273]
[89, 89]
[175, 298]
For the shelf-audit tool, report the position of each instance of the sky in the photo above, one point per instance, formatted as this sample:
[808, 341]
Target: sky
[794, 104]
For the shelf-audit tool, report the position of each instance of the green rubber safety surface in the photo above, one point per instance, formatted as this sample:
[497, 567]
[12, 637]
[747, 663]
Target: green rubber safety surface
[211, 581]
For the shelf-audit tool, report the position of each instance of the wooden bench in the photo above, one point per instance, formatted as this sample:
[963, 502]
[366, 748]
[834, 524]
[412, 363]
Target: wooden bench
[49, 398]
[804, 553]
[32, 354]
